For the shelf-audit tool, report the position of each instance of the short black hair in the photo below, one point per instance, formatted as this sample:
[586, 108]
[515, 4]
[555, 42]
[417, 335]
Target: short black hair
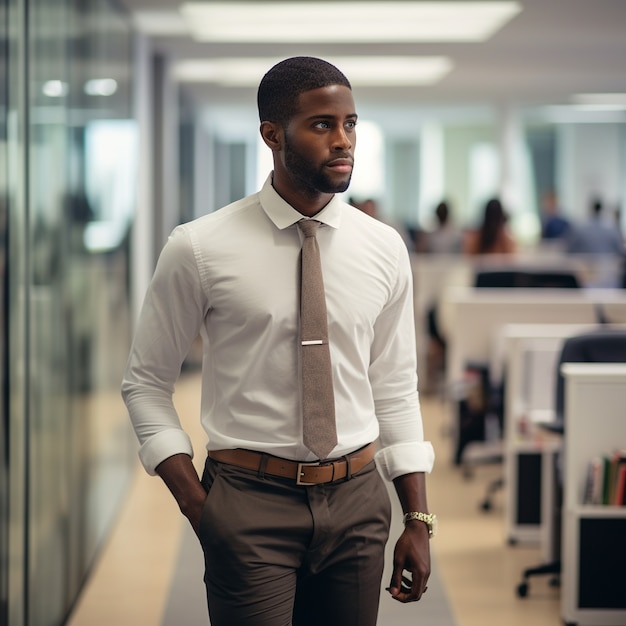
[442, 212]
[277, 97]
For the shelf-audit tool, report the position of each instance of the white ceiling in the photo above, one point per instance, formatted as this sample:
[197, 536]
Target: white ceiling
[548, 52]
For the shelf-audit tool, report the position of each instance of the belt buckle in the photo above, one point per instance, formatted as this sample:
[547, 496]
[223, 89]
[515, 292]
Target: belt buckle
[300, 473]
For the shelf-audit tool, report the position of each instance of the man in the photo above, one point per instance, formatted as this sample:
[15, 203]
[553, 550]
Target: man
[554, 225]
[596, 236]
[284, 542]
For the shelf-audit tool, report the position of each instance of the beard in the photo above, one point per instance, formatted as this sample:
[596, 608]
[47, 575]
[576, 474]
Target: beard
[311, 176]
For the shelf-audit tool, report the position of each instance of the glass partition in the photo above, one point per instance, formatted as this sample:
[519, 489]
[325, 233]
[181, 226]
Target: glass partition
[67, 179]
[4, 201]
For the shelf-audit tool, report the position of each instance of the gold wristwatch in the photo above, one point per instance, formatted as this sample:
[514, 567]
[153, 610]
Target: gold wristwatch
[430, 519]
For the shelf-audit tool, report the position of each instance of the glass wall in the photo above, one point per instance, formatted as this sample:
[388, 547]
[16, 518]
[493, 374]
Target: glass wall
[4, 422]
[68, 159]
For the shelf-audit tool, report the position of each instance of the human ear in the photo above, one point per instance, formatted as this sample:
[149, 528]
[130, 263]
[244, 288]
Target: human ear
[272, 135]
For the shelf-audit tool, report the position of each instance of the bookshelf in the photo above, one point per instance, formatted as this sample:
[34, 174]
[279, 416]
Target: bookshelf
[594, 537]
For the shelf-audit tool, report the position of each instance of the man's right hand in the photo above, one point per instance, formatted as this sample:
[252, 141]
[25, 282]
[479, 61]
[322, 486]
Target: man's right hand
[181, 478]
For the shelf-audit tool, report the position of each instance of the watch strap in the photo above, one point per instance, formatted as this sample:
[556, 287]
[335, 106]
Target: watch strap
[427, 518]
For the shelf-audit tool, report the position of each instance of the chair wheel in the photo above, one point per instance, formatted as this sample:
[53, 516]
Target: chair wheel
[522, 590]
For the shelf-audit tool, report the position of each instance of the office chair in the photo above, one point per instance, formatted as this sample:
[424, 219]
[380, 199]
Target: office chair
[485, 399]
[526, 279]
[499, 279]
[604, 345]
[553, 279]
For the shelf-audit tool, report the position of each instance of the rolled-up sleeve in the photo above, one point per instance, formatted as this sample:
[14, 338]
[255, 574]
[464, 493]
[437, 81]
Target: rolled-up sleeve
[171, 317]
[393, 375]
[405, 458]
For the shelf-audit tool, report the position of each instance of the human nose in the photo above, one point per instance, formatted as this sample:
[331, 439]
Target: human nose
[341, 140]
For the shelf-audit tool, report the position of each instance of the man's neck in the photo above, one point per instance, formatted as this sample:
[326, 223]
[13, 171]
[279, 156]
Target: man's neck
[306, 204]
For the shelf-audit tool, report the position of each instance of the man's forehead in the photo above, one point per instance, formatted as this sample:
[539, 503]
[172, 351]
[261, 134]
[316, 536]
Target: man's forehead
[331, 101]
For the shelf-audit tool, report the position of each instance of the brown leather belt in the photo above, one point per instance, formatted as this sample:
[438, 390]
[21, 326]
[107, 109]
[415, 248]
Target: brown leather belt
[305, 474]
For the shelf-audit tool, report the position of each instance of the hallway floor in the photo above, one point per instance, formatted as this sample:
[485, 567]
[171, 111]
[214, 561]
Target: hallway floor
[478, 571]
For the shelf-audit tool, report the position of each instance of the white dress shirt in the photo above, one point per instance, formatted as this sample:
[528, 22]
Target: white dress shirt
[233, 277]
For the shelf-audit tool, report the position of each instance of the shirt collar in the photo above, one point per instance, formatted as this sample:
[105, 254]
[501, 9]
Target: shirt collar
[284, 215]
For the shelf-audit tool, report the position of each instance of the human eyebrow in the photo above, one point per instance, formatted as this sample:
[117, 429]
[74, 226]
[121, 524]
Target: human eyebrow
[322, 117]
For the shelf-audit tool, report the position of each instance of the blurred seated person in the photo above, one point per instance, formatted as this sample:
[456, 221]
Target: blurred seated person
[596, 236]
[493, 236]
[445, 238]
[370, 207]
[553, 224]
[419, 238]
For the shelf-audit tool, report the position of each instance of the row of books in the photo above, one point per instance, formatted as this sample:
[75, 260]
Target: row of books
[606, 479]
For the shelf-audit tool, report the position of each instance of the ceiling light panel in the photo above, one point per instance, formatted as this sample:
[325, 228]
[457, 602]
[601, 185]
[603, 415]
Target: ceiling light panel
[606, 99]
[361, 71]
[160, 23]
[346, 22]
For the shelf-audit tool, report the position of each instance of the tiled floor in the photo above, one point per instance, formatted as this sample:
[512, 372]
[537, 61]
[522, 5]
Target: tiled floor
[479, 571]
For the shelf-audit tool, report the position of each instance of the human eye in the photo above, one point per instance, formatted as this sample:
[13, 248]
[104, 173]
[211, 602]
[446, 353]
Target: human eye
[322, 124]
[350, 124]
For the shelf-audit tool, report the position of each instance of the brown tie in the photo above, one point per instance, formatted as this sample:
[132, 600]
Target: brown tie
[318, 403]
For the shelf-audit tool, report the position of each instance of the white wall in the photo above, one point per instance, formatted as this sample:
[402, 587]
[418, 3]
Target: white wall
[591, 164]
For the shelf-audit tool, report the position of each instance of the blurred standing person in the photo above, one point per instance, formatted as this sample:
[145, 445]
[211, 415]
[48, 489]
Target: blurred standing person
[493, 235]
[446, 238]
[596, 235]
[553, 224]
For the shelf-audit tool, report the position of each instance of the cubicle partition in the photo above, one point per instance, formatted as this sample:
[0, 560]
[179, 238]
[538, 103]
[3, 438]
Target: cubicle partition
[435, 276]
[529, 354]
[474, 318]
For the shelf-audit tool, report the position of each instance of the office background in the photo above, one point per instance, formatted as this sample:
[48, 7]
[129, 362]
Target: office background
[108, 140]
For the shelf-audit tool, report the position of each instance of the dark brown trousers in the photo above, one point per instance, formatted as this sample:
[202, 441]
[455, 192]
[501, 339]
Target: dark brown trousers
[279, 554]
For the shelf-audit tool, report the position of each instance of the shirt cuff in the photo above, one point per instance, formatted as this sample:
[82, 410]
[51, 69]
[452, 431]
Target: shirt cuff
[163, 445]
[405, 458]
